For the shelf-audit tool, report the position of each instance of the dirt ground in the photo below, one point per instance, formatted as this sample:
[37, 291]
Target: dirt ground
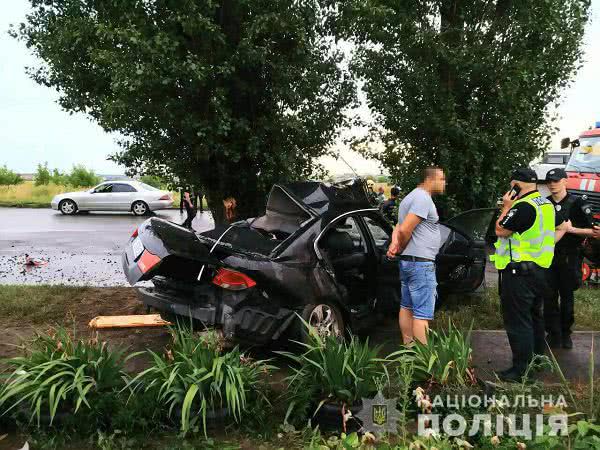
[93, 302]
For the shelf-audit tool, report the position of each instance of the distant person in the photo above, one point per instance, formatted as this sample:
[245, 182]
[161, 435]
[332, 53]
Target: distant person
[565, 275]
[371, 193]
[230, 205]
[417, 240]
[190, 210]
[197, 200]
[388, 207]
[380, 195]
[182, 191]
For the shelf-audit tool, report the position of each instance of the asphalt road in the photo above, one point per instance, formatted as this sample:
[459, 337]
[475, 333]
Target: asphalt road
[79, 250]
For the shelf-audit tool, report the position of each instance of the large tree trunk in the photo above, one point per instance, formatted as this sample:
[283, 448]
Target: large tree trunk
[214, 198]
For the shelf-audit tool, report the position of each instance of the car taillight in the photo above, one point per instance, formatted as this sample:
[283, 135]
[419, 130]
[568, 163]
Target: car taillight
[147, 261]
[232, 280]
[134, 234]
[165, 197]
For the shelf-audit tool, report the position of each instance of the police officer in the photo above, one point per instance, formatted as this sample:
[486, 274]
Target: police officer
[524, 251]
[565, 271]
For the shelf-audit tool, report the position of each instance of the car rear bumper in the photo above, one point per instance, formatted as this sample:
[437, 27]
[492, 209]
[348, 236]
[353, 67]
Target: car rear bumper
[218, 308]
[54, 205]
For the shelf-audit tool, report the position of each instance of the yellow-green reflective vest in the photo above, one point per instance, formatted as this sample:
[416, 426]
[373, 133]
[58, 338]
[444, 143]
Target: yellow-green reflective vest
[535, 244]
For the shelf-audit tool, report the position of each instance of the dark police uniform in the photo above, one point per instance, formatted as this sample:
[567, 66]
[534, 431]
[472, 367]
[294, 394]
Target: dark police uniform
[522, 260]
[564, 275]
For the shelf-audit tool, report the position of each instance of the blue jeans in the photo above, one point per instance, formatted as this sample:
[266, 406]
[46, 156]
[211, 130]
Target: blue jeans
[419, 288]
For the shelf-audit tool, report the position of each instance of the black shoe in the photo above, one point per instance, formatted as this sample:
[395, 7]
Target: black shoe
[567, 342]
[554, 341]
[511, 375]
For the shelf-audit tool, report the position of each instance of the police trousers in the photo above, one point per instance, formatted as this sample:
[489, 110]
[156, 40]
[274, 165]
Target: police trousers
[523, 289]
[564, 278]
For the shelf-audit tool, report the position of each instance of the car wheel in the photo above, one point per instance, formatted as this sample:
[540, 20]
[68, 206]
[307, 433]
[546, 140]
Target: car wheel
[67, 207]
[325, 318]
[140, 208]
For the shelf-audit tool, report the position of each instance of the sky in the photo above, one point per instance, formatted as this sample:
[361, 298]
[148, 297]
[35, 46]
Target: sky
[34, 128]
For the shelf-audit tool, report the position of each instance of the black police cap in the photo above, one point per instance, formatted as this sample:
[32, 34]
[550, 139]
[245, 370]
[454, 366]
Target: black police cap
[556, 175]
[525, 175]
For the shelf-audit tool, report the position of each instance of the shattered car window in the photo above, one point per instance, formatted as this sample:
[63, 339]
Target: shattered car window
[244, 238]
[474, 223]
[380, 235]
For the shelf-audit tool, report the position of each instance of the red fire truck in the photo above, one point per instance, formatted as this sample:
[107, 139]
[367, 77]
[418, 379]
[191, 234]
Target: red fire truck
[583, 170]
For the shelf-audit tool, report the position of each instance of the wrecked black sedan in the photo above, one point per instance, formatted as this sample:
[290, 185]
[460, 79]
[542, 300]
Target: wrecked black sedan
[318, 252]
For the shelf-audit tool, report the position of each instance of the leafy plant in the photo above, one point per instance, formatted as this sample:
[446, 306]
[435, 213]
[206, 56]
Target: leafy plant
[61, 374]
[445, 358]
[8, 177]
[80, 176]
[42, 175]
[331, 369]
[195, 377]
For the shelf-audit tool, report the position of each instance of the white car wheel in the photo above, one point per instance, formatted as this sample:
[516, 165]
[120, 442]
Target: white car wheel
[67, 207]
[140, 208]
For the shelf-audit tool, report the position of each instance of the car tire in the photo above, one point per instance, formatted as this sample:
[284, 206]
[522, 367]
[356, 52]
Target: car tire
[325, 317]
[140, 208]
[67, 206]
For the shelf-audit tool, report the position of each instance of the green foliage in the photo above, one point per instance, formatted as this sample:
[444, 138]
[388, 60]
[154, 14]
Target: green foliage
[466, 85]
[61, 374]
[8, 177]
[82, 177]
[195, 377]
[42, 175]
[154, 181]
[198, 89]
[58, 178]
[445, 359]
[331, 369]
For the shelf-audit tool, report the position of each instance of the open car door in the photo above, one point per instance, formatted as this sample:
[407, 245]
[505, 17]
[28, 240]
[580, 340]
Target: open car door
[461, 261]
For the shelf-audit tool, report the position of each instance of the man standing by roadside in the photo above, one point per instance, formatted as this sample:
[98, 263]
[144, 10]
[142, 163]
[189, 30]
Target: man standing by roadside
[189, 208]
[565, 272]
[526, 231]
[388, 208]
[416, 238]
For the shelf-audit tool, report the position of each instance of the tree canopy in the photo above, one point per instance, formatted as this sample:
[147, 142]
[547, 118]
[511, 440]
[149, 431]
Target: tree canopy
[227, 95]
[465, 85]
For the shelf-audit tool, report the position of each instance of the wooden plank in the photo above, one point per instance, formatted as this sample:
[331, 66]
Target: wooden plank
[132, 321]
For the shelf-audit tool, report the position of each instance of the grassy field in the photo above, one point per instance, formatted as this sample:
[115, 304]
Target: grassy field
[39, 305]
[27, 195]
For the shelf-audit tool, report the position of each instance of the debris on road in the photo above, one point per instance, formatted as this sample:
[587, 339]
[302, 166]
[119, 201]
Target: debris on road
[35, 262]
[131, 321]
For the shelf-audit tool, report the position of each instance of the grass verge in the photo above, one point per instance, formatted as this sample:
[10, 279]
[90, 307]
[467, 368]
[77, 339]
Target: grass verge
[36, 305]
[485, 311]
[44, 303]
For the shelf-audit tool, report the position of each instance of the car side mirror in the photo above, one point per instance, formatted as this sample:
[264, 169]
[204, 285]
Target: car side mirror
[565, 142]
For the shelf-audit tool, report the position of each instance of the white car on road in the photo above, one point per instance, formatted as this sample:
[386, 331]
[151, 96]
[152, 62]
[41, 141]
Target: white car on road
[134, 196]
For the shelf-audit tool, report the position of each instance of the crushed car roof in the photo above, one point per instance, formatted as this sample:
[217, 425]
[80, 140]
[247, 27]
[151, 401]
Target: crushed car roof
[326, 199]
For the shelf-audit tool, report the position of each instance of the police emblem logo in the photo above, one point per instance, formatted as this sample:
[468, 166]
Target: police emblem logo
[379, 414]
[558, 207]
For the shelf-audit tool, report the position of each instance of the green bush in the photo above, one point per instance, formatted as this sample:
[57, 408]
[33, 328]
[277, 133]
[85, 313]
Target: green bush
[445, 359]
[331, 369]
[58, 178]
[153, 181]
[195, 377]
[42, 175]
[82, 177]
[61, 374]
[8, 177]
